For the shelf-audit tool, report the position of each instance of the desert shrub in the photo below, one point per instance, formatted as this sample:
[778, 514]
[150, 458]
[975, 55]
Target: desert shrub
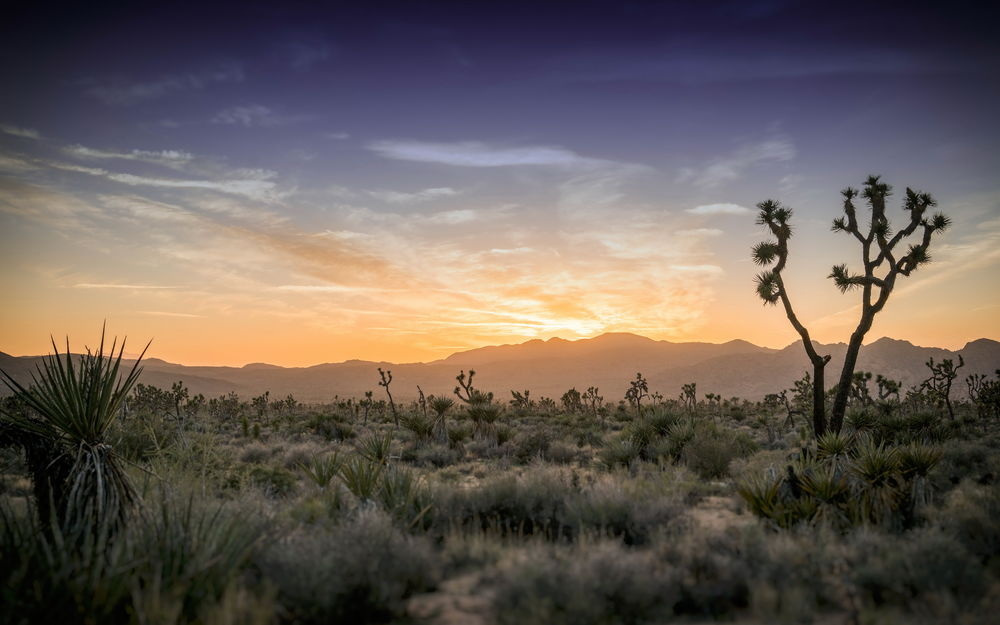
[256, 453]
[302, 454]
[507, 505]
[532, 444]
[275, 481]
[619, 452]
[923, 570]
[331, 426]
[432, 456]
[961, 460]
[549, 504]
[561, 453]
[599, 584]
[970, 514]
[588, 436]
[140, 438]
[177, 561]
[710, 451]
[359, 571]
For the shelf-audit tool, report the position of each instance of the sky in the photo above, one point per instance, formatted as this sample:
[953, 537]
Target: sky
[293, 185]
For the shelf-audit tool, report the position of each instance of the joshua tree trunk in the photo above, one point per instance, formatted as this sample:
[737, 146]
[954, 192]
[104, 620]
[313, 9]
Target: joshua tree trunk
[818, 362]
[847, 373]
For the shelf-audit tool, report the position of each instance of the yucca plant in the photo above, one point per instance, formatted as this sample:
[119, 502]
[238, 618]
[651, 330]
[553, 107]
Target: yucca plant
[834, 447]
[915, 461]
[483, 415]
[421, 426]
[762, 495]
[323, 469]
[828, 487]
[362, 477]
[72, 404]
[876, 469]
[376, 447]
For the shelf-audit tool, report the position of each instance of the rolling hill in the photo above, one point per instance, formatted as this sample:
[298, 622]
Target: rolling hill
[549, 368]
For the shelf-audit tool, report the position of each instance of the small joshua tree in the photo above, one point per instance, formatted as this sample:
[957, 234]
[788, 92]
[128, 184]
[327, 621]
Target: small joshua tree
[384, 383]
[689, 396]
[887, 388]
[468, 393]
[637, 390]
[572, 401]
[939, 384]
[593, 400]
[881, 268]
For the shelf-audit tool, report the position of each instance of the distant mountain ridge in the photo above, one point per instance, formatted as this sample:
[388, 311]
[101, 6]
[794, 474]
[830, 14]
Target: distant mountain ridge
[549, 368]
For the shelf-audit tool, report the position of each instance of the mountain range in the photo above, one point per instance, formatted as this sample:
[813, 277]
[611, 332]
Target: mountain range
[548, 368]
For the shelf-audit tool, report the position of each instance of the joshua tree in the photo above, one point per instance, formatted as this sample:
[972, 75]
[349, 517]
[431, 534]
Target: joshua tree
[878, 247]
[384, 383]
[688, 396]
[366, 404]
[939, 384]
[593, 400]
[881, 270]
[471, 394]
[771, 289]
[572, 401]
[637, 389]
[522, 401]
[887, 387]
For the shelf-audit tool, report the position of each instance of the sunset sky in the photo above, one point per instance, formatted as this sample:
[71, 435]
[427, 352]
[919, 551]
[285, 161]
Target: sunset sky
[294, 186]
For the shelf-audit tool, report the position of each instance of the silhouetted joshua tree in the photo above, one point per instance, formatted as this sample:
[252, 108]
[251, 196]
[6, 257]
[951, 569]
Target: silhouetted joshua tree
[942, 377]
[771, 289]
[384, 383]
[637, 390]
[881, 270]
[878, 248]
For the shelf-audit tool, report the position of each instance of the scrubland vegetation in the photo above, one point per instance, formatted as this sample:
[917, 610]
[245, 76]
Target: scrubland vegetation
[132, 504]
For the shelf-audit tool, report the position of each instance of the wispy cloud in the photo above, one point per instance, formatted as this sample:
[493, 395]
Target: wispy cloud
[256, 115]
[700, 232]
[130, 287]
[257, 184]
[478, 154]
[733, 166]
[117, 91]
[164, 313]
[719, 209]
[161, 157]
[20, 131]
[397, 197]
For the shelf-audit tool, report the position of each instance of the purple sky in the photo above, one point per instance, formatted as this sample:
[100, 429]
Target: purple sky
[361, 148]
